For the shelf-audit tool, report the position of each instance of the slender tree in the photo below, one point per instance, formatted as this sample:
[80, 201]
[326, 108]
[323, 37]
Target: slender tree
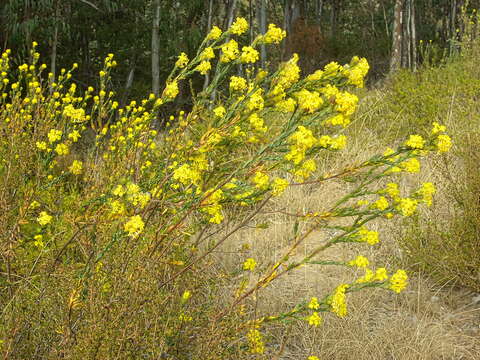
[155, 47]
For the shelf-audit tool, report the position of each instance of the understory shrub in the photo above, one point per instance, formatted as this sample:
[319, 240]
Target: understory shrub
[106, 244]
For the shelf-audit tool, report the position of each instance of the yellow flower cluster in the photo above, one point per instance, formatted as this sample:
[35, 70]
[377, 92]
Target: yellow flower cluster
[239, 26]
[426, 192]
[301, 140]
[444, 143]
[398, 281]
[289, 74]
[171, 90]
[415, 142]
[213, 207]
[314, 319]
[357, 71]
[255, 342]
[182, 60]
[43, 218]
[237, 83]
[337, 300]
[314, 304]
[360, 261]
[134, 226]
[76, 167]
[229, 51]
[309, 101]
[274, 35]
[261, 180]
[256, 102]
[257, 123]
[249, 55]
[215, 33]
[187, 174]
[346, 103]
[249, 264]
[279, 186]
[407, 206]
[204, 67]
[368, 236]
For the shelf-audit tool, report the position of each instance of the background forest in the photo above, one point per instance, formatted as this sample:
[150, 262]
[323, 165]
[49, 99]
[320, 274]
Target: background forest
[146, 36]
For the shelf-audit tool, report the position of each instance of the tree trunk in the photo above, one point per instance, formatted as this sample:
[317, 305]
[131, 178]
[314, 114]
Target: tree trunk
[230, 14]
[156, 48]
[395, 60]
[53, 59]
[206, 81]
[414, 36]
[262, 25]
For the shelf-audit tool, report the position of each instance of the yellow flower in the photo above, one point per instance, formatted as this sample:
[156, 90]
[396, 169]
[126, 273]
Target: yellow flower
[411, 165]
[207, 54]
[313, 304]
[171, 90]
[399, 281]
[229, 51]
[219, 111]
[255, 342]
[407, 206]
[392, 190]
[117, 208]
[314, 319]
[54, 135]
[426, 192]
[134, 226]
[237, 83]
[118, 191]
[239, 26]
[415, 142]
[249, 264]
[256, 101]
[360, 261]
[186, 295]
[257, 123]
[215, 33]
[279, 186]
[74, 135]
[62, 149]
[76, 167]
[381, 274]
[249, 55]
[444, 143]
[182, 60]
[38, 241]
[41, 145]
[368, 236]
[290, 73]
[287, 105]
[381, 204]
[346, 103]
[337, 300]
[313, 358]
[309, 101]
[274, 34]
[204, 67]
[356, 74]
[44, 219]
[261, 180]
[437, 128]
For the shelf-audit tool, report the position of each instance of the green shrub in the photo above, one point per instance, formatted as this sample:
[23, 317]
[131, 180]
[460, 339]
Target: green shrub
[107, 247]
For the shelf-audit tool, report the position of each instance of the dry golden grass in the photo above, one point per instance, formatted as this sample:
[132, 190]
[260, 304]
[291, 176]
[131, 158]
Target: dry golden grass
[428, 321]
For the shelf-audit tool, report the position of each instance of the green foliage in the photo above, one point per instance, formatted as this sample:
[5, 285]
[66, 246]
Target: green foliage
[445, 244]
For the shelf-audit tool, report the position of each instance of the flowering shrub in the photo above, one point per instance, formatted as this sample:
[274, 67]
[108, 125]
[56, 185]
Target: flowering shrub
[110, 238]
